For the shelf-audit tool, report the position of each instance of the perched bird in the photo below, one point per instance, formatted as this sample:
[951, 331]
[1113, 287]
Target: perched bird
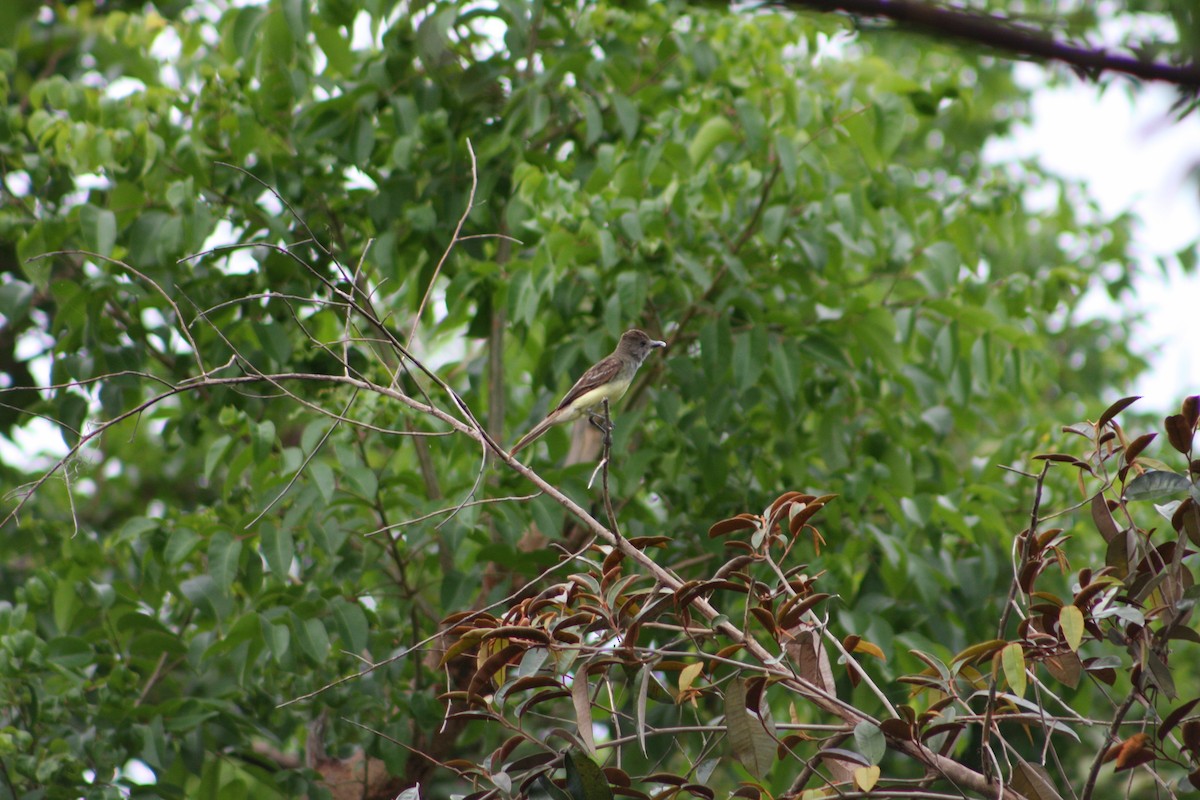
[607, 379]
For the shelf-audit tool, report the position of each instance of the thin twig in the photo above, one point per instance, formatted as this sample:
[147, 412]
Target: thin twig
[437, 270]
[307, 459]
[440, 511]
[604, 461]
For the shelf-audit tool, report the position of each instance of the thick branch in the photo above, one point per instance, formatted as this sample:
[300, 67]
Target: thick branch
[1001, 34]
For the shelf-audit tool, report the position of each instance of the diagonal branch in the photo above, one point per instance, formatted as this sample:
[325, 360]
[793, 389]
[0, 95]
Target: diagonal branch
[1004, 35]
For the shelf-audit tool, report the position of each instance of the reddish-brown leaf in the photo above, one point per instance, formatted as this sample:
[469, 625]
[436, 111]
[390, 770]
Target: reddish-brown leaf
[534, 682]
[490, 667]
[1065, 459]
[1102, 517]
[1179, 432]
[1190, 732]
[518, 632]
[1173, 719]
[1191, 410]
[979, 653]
[944, 727]
[1186, 519]
[668, 778]
[1080, 429]
[897, 729]
[1116, 408]
[642, 542]
[784, 499]
[1029, 574]
[742, 522]
[766, 619]
[478, 621]
[1135, 759]
[1130, 754]
[792, 613]
[1065, 667]
[1136, 447]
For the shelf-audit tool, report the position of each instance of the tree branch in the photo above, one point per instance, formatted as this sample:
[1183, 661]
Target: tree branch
[1002, 34]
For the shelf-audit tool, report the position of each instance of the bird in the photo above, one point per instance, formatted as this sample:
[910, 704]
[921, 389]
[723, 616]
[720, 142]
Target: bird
[607, 379]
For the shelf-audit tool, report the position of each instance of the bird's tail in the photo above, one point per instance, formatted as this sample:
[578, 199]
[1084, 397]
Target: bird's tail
[534, 434]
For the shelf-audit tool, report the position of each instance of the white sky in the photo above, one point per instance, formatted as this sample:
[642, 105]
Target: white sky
[1134, 157]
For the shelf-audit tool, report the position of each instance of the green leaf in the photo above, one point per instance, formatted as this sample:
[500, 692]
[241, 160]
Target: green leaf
[223, 553]
[773, 222]
[70, 652]
[627, 115]
[180, 545]
[72, 411]
[311, 636]
[202, 592]
[585, 779]
[870, 741]
[1012, 659]
[752, 744]
[215, 454]
[340, 57]
[276, 545]
[15, 297]
[98, 227]
[278, 638]
[713, 132]
[593, 122]
[1155, 485]
[351, 624]
[1070, 618]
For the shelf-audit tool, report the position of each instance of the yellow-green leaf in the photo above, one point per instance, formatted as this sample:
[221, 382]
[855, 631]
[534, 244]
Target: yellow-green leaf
[712, 133]
[865, 778]
[687, 675]
[1012, 658]
[1070, 618]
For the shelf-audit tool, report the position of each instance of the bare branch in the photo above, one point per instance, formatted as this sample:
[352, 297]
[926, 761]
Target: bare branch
[1006, 36]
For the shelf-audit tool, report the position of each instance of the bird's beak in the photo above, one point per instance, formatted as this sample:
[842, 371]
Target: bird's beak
[657, 343]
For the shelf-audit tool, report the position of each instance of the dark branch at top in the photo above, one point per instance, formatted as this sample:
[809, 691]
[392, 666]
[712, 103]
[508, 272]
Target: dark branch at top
[1002, 34]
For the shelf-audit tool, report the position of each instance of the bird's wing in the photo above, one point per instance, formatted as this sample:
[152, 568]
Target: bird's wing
[598, 374]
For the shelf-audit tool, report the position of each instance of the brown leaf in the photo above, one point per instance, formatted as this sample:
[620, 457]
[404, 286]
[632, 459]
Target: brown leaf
[1190, 732]
[1191, 410]
[897, 729]
[766, 619]
[792, 613]
[1186, 519]
[642, 542]
[787, 498]
[869, 648]
[1103, 518]
[1116, 408]
[1173, 719]
[1179, 433]
[518, 632]
[742, 522]
[1033, 781]
[490, 667]
[1080, 429]
[1065, 667]
[1136, 447]
[979, 653]
[1130, 754]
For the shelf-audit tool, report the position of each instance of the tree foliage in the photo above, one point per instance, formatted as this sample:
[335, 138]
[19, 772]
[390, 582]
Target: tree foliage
[284, 274]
